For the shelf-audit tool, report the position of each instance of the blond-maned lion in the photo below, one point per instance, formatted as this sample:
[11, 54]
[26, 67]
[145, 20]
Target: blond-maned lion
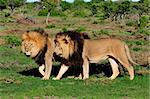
[40, 47]
[92, 51]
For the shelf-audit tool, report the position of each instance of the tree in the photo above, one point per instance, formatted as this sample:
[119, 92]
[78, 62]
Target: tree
[2, 4]
[12, 4]
[54, 2]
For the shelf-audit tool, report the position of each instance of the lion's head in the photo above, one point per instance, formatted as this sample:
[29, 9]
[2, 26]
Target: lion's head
[33, 42]
[69, 45]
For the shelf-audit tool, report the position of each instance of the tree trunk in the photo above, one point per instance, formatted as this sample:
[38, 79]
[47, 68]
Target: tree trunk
[47, 18]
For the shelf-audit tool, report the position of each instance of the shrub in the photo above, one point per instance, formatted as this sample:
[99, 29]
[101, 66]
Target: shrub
[82, 13]
[43, 12]
[81, 28]
[64, 29]
[50, 26]
[137, 49]
[7, 20]
[104, 31]
[144, 31]
[132, 23]
[56, 12]
[13, 40]
[144, 21]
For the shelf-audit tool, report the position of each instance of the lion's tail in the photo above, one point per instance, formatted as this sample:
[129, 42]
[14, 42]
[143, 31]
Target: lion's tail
[129, 55]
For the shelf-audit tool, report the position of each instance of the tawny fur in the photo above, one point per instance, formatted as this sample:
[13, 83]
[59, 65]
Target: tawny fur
[95, 50]
[40, 47]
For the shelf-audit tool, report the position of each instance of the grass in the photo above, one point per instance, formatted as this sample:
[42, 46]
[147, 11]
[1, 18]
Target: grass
[28, 85]
[15, 85]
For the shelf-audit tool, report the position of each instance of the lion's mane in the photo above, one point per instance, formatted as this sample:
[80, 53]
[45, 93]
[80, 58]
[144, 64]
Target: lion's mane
[40, 37]
[75, 57]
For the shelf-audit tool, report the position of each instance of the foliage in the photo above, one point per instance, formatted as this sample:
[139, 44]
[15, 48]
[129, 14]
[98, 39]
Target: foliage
[132, 23]
[50, 26]
[144, 21]
[82, 13]
[13, 40]
[80, 29]
[12, 3]
[43, 12]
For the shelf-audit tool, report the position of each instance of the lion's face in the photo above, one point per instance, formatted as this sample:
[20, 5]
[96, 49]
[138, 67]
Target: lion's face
[29, 48]
[64, 46]
[32, 43]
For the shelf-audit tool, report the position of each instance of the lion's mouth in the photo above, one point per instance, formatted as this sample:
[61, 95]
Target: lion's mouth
[27, 55]
[60, 55]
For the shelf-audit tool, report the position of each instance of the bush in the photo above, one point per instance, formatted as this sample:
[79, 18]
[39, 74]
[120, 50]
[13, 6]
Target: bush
[43, 12]
[13, 40]
[144, 31]
[105, 31]
[56, 12]
[7, 20]
[132, 23]
[81, 28]
[144, 21]
[82, 13]
[50, 26]
[64, 29]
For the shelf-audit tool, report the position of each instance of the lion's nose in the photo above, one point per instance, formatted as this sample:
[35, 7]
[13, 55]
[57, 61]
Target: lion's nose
[28, 54]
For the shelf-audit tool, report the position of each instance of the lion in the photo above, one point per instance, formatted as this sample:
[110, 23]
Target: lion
[92, 51]
[40, 47]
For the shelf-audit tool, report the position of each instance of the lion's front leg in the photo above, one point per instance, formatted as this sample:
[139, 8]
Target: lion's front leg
[41, 69]
[114, 67]
[48, 68]
[85, 69]
[62, 70]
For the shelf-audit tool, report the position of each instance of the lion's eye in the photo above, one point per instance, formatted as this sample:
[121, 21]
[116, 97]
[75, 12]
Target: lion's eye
[55, 41]
[65, 41]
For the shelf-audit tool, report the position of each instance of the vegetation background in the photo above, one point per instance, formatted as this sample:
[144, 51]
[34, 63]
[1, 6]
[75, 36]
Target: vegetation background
[123, 19]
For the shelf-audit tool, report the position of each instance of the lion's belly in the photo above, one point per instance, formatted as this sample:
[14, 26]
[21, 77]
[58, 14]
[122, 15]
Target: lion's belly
[97, 59]
[97, 52]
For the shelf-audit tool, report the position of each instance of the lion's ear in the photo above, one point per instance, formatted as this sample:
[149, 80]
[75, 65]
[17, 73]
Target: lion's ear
[25, 36]
[45, 34]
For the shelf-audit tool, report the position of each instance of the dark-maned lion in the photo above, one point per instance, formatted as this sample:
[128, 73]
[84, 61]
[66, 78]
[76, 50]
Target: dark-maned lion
[92, 51]
[40, 47]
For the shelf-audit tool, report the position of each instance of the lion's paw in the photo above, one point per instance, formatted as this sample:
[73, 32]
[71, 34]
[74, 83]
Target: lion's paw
[111, 78]
[45, 78]
[55, 78]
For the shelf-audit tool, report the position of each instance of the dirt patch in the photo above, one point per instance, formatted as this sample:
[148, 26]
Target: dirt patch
[142, 58]
[26, 21]
[2, 42]
[14, 32]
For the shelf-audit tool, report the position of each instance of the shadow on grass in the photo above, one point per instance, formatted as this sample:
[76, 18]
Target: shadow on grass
[95, 69]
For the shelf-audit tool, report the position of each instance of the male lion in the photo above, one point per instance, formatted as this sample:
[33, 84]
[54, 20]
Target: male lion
[37, 45]
[40, 47]
[92, 51]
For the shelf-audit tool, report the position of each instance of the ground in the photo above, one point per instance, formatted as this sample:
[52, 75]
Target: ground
[19, 77]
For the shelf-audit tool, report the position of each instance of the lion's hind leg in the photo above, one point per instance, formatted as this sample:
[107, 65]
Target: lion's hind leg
[114, 67]
[128, 66]
[41, 69]
[131, 71]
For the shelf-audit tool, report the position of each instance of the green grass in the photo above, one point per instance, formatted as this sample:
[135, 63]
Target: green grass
[17, 86]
